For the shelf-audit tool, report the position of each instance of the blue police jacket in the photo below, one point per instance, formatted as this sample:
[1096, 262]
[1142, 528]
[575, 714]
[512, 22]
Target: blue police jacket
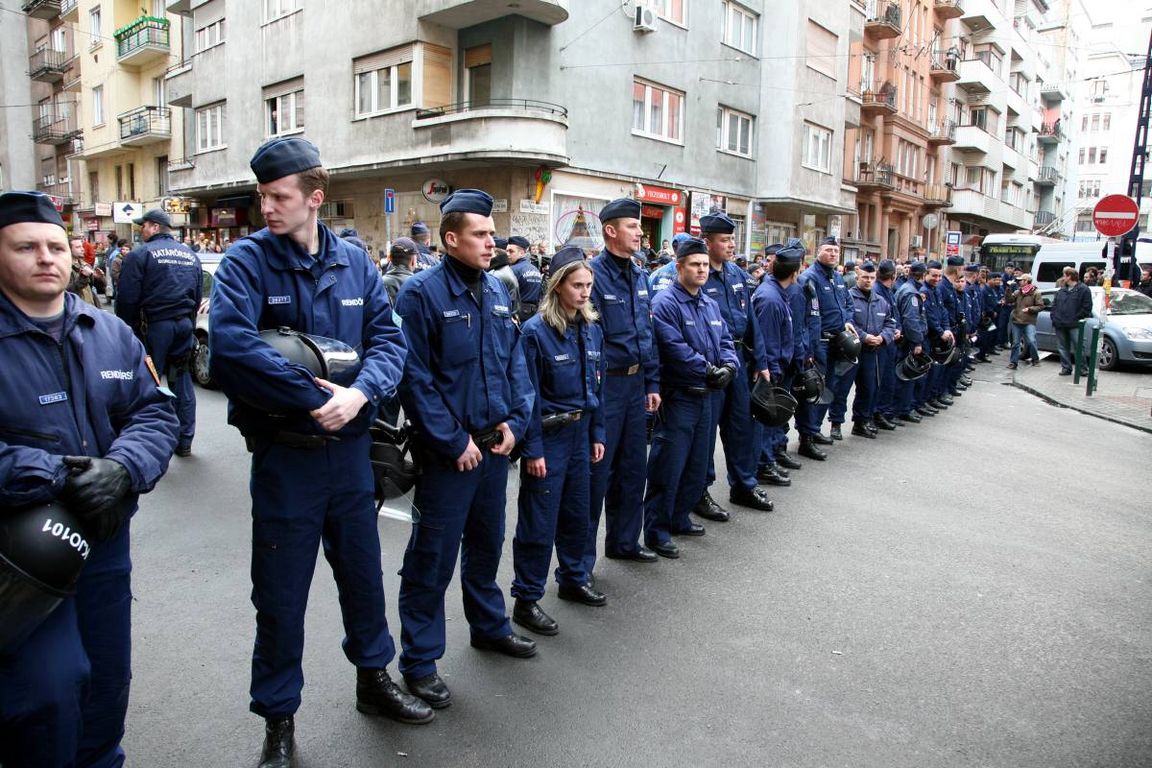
[800, 308]
[934, 314]
[889, 295]
[690, 335]
[91, 394]
[729, 288]
[912, 312]
[424, 257]
[663, 277]
[465, 371]
[774, 325]
[872, 314]
[159, 280]
[621, 298]
[835, 307]
[267, 281]
[529, 279]
[566, 370]
[950, 301]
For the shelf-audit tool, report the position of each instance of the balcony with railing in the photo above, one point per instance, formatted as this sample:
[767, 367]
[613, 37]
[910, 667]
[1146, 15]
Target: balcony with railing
[457, 14]
[1051, 133]
[871, 177]
[1053, 93]
[942, 132]
[145, 125]
[972, 138]
[178, 84]
[882, 20]
[1048, 176]
[509, 129]
[143, 42]
[977, 76]
[48, 65]
[944, 67]
[70, 10]
[877, 100]
[42, 9]
[60, 190]
[948, 9]
[1044, 218]
[58, 127]
[937, 195]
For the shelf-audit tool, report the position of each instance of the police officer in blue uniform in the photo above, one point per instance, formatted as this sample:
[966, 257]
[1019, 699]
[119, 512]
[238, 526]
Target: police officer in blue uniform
[563, 348]
[665, 275]
[469, 397]
[631, 387]
[956, 313]
[160, 288]
[911, 309]
[884, 412]
[831, 296]
[528, 277]
[697, 358]
[728, 286]
[940, 321]
[425, 258]
[312, 481]
[872, 316]
[82, 420]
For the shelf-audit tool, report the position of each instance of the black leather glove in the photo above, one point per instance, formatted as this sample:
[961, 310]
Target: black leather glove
[719, 378]
[95, 490]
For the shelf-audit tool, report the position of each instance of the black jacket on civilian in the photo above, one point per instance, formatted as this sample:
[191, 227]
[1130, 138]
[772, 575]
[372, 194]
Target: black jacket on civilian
[1071, 304]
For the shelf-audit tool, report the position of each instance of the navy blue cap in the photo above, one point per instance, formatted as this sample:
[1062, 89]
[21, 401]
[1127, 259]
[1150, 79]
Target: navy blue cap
[831, 241]
[850, 264]
[774, 248]
[22, 207]
[156, 216]
[419, 228]
[972, 268]
[690, 247]
[919, 267]
[790, 254]
[933, 264]
[564, 257]
[955, 261]
[499, 259]
[717, 223]
[886, 268]
[405, 245]
[679, 237]
[468, 201]
[281, 157]
[520, 241]
[621, 208]
[867, 267]
[501, 242]
[349, 232]
[741, 259]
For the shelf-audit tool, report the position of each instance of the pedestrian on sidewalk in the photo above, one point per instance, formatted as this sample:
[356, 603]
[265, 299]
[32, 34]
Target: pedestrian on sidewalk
[1026, 306]
[1071, 304]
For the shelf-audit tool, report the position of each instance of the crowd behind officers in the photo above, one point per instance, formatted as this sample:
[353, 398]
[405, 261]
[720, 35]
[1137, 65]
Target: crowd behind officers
[567, 373]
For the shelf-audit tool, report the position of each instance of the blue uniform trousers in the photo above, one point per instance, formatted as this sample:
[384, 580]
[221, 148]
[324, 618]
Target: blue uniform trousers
[460, 513]
[867, 385]
[302, 498]
[169, 341]
[886, 375]
[618, 480]
[1003, 324]
[841, 384]
[937, 381]
[732, 413]
[64, 690]
[678, 464]
[771, 440]
[810, 416]
[553, 510]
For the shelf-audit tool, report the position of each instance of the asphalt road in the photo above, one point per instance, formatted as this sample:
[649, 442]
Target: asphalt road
[973, 591]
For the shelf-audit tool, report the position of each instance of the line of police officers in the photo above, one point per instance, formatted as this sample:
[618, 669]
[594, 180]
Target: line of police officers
[572, 393]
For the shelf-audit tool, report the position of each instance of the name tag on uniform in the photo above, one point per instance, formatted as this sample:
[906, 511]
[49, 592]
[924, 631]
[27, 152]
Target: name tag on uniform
[55, 397]
[451, 313]
[689, 322]
[641, 293]
[713, 290]
[827, 288]
[279, 299]
[610, 297]
[562, 358]
[593, 354]
[738, 287]
[714, 322]
[881, 314]
[500, 309]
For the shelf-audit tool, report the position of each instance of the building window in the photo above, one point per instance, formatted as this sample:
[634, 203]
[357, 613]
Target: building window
[740, 27]
[210, 35]
[1103, 155]
[816, 151]
[733, 132]
[284, 113]
[821, 49]
[383, 81]
[162, 176]
[1106, 124]
[478, 74]
[95, 33]
[657, 112]
[274, 9]
[98, 105]
[210, 128]
[672, 10]
[1090, 188]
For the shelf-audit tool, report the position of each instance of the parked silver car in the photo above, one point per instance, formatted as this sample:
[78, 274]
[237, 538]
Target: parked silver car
[200, 371]
[1125, 331]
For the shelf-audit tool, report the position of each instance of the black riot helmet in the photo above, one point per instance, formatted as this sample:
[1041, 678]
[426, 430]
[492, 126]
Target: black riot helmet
[42, 551]
[772, 405]
[392, 468]
[846, 345]
[913, 366]
[325, 358]
[808, 385]
[944, 350]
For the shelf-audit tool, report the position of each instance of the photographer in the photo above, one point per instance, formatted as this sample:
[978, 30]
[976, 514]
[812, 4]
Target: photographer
[86, 281]
[1026, 305]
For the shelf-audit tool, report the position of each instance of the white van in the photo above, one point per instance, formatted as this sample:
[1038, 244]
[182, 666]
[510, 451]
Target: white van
[1050, 261]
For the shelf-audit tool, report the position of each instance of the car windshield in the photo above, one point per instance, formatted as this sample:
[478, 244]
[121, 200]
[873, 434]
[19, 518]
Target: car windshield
[1130, 303]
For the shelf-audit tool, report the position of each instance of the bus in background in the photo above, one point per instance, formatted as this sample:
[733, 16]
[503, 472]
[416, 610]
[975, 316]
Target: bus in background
[1044, 257]
[998, 251]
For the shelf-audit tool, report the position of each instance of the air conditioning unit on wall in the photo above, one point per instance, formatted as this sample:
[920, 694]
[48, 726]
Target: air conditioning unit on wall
[645, 20]
[916, 241]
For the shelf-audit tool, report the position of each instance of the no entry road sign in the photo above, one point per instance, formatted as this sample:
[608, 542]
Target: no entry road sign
[1115, 215]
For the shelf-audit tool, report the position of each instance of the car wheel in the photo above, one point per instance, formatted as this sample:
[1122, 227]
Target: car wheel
[200, 364]
[1108, 357]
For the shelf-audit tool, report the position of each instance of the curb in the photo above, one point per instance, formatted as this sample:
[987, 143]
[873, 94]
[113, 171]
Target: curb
[1081, 409]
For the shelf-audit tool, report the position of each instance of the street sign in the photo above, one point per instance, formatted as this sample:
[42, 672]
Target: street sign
[930, 221]
[389, 201]
[1115, 215]
[952, 243]
[123, 213]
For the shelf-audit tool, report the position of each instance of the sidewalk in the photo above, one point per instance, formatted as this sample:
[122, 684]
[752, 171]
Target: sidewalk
[1123, 397]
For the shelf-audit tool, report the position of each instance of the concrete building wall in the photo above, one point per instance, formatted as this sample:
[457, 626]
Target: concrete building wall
[17, 154]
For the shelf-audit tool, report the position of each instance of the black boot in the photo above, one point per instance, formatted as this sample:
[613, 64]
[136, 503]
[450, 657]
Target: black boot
[279, 743]
[528, 614]
[808, 448]
[786, 461]
[376, 694]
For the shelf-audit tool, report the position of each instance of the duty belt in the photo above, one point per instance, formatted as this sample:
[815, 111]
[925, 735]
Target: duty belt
[290, 439]
[554, 422]
[488, 439]
[698, 391]
[631, 370]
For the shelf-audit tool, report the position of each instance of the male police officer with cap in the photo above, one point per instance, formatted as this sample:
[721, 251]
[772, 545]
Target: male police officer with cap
[665, 275]
[528, 278]
[420, 232]
[697, 358]
[872, 316]
[467, 392]
[82, 420]
[727, 285]
[912, 310]
[312, 480]
[884, 414]
[631, 386]
[159, 293]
